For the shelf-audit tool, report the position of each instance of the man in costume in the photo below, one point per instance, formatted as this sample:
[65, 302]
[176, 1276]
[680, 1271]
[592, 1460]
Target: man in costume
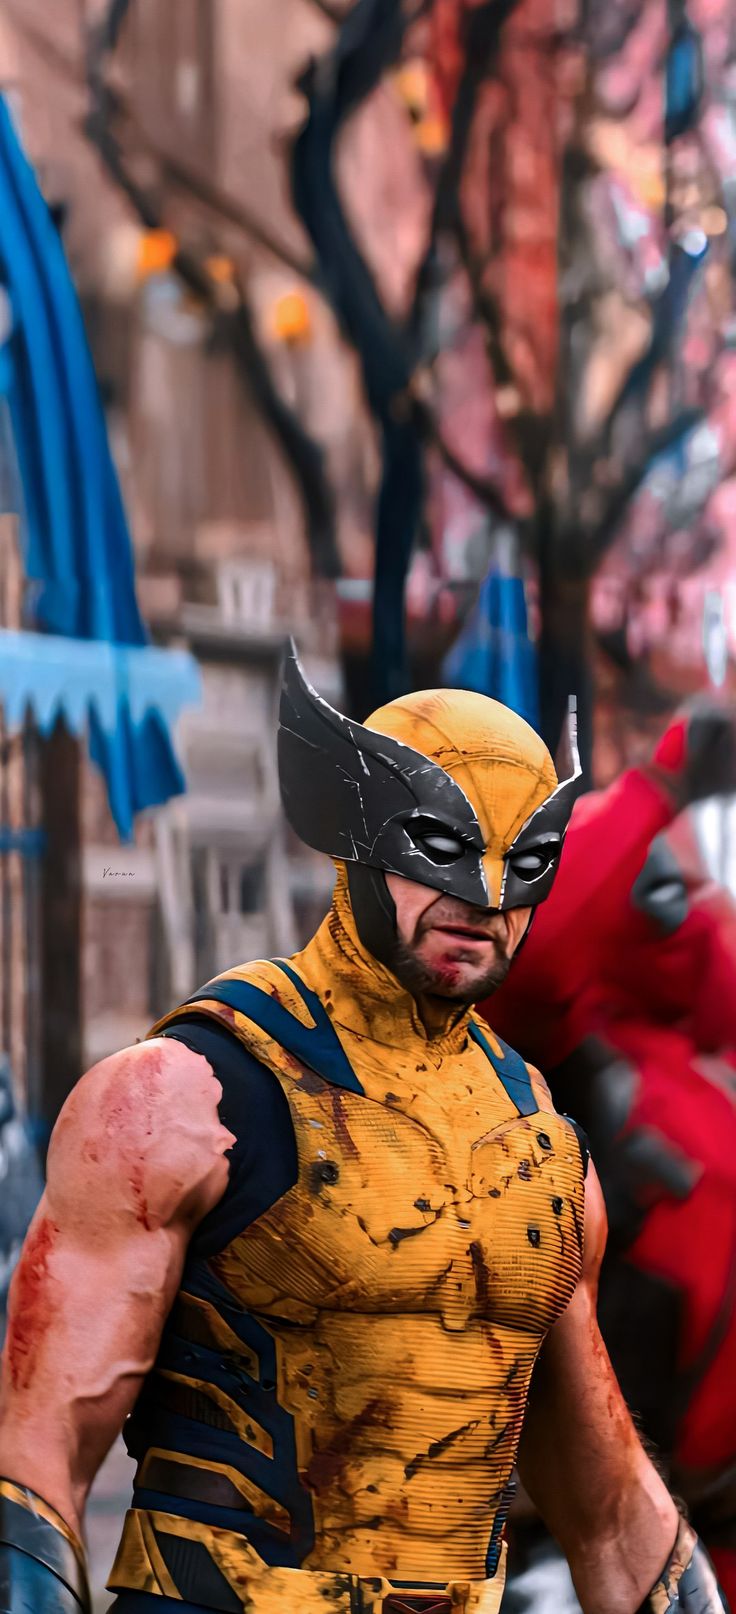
[316, 1231]
[631, 997]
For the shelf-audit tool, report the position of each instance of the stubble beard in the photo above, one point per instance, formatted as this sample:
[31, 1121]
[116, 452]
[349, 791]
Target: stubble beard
[423, 980]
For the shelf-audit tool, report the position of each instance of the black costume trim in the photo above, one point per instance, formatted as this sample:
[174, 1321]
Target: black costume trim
[583, 1143]
[253, 1107]
[39, 1567]
[692, 1590]
[511, 1070]
[317, 1046]
[144, 1603]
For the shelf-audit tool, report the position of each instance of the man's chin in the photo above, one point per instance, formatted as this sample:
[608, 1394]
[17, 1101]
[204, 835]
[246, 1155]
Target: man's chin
[457, 981]
[467, 986]
[454, 980]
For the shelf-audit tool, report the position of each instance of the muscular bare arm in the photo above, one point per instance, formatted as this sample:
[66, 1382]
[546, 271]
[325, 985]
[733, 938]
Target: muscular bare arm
[137, 1158]
[581, 1459]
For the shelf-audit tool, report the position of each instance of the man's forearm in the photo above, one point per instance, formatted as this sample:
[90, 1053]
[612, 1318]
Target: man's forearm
[585, 1468]
[615, 1567]
[608, 1579]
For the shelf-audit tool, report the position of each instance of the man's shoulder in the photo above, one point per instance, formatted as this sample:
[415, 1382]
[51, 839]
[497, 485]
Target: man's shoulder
[146, 1117]
[268, 1008]
[234, 994]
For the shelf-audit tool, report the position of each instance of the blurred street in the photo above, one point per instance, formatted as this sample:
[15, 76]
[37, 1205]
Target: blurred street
[107, 1504]
[404, 330]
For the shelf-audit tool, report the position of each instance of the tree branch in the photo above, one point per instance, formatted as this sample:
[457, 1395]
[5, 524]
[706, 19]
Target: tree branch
[483, 489]
[368, 43]
[228, 307]
[62, 61]
[210, 195]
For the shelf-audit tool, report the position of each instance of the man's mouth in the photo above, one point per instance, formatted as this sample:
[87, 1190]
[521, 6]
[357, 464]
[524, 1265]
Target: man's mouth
[465, 931]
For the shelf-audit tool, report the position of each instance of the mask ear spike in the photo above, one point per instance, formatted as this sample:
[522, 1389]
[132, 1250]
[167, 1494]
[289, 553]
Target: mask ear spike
[567, 759]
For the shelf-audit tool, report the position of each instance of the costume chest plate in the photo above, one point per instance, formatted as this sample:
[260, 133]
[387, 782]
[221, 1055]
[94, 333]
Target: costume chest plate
[396, 1214]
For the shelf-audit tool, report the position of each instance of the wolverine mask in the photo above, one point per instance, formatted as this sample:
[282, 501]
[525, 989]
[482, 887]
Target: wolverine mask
[445, 787]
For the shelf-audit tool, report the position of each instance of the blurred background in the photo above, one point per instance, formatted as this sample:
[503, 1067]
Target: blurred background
[408, 328]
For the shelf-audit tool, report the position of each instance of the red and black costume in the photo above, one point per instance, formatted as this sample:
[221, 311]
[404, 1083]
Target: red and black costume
[626, 992]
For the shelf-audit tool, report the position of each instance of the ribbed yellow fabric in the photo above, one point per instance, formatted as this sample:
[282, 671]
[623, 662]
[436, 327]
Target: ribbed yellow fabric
[433, 1237]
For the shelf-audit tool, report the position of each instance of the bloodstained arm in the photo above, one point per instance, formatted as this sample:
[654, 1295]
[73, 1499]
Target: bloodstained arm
[137, 1158]
[581, 1459]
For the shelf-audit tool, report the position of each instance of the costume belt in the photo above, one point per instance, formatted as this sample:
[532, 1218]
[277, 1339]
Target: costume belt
[262, 1589]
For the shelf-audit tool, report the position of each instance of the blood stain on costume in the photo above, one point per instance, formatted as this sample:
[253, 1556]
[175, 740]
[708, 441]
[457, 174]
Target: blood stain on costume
[326, 1467]
[576, 1221]
[341, 1126]
[33, 1304]
[307, 1078]
[224, 1012]
[482, 1275]
[438, 1447]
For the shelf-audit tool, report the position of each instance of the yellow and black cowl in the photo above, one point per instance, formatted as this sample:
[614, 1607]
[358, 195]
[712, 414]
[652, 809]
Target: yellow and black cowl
[445, 787]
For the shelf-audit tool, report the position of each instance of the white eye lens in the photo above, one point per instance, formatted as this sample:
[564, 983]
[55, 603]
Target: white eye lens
[442, 843]
[667, 891]
[529, 864]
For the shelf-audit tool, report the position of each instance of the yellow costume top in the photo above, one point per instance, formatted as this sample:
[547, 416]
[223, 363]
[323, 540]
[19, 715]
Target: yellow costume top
[349, 1373]
[334, 1414]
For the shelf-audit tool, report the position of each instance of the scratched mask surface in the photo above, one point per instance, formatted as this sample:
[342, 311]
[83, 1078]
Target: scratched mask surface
[447, 763]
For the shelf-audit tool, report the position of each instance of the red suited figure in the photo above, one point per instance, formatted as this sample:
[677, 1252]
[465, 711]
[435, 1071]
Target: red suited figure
[625, 993]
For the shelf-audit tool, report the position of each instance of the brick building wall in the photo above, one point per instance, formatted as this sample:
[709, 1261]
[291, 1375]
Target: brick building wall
[213, 506]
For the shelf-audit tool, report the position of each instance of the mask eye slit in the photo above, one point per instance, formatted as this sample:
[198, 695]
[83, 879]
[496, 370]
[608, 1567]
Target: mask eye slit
[436, 841]
[530, 864]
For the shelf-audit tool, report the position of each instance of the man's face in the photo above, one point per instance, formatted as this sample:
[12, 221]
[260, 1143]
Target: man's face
[449, 949]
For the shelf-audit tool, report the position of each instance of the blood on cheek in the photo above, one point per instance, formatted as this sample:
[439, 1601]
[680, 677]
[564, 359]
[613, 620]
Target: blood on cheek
[33, 1303]
[446, 971]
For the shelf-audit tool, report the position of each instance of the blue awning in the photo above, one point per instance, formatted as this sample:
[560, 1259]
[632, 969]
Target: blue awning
[51, 676]
[96, 665]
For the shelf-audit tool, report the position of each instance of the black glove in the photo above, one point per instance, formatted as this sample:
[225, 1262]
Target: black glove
[696, 756]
